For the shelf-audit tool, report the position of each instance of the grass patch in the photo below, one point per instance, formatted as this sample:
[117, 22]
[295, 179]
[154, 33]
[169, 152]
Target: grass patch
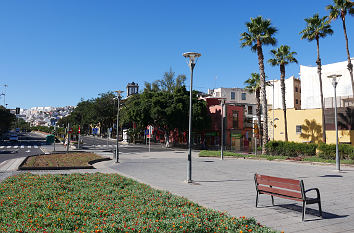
[105, 203]
[206, 153]
[77, 159]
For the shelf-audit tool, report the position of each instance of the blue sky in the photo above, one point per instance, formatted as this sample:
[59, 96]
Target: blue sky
[53, 53]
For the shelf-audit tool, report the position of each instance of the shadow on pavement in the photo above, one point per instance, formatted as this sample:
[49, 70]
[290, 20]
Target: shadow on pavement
[216, 181]
[309, 211]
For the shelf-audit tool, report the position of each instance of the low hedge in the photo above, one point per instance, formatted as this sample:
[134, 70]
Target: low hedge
[290, 149]
[328, 151]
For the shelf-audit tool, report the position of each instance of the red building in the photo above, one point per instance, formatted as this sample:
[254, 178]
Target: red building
[237, 132]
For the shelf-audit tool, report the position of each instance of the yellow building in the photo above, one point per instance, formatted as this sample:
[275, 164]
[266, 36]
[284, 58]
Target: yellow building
[304, 126]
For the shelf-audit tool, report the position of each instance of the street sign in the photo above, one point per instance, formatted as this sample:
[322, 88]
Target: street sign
[17, 110]
[94, 131]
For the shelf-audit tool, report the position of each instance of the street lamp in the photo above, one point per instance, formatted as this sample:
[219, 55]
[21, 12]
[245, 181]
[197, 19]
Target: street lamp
[117, 149]
[222, 129]
[191, 60]
[334, 83]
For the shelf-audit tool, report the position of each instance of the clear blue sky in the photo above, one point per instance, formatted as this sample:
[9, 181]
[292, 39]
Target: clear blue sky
[53, 53]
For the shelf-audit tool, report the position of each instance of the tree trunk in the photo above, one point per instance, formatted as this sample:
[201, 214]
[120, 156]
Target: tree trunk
[258, 113]
[282, 83]
[350, 65]
[320, 79]
[263, 95]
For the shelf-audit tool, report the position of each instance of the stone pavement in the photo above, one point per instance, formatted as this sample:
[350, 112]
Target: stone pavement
[228, 186]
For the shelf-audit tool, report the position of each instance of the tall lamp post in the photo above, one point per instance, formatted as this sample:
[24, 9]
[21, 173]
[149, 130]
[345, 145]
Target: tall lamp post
[117, 149]
[334, 83]
[192, 58]
[222, 130]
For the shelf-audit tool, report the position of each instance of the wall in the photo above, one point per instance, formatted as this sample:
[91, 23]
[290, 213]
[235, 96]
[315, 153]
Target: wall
[310, 85]
[307, 118]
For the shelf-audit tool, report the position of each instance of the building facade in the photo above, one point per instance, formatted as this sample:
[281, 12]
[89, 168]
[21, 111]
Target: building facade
[292, 93]
[310, 86]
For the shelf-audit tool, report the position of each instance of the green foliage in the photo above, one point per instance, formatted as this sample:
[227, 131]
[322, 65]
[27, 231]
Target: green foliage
[290, 149]
[6, 119]
[328, 151]
[105, 203]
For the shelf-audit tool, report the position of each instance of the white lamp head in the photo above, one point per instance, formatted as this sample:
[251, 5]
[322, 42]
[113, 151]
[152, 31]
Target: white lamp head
[192, 56]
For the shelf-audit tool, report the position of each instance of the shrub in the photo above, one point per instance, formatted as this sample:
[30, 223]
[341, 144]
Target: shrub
[291, 149]
[328, 151]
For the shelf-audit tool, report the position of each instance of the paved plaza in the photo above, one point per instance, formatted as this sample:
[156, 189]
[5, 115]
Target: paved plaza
[228, 185]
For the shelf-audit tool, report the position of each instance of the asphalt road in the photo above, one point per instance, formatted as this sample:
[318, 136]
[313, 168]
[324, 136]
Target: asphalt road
[28, 144]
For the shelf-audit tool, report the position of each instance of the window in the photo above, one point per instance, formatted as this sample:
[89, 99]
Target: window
[250, 110]
[243, 96]
[232, 95]
[298, 129]
[296, 89]
[297, 101]
[235, 119]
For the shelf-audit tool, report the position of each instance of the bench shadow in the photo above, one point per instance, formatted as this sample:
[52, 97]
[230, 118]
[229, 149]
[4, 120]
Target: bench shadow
[310, 211]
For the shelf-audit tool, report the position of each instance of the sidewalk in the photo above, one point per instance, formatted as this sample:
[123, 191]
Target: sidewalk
[228, 185]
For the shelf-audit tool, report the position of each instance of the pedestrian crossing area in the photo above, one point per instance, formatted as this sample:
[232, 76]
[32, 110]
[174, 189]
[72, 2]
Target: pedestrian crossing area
[20, 147]
[105, 146]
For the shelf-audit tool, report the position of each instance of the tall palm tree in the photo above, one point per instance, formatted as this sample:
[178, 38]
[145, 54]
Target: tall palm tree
[317, 28]
[281, 57]
[341, 8]
[259, 33]
[254, 86]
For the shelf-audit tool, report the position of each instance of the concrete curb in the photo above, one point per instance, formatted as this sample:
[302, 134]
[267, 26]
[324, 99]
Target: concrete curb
[11, 164]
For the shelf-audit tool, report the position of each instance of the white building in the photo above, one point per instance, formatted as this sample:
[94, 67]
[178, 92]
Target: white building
[237, 96]
[310, 85]
[292, 93]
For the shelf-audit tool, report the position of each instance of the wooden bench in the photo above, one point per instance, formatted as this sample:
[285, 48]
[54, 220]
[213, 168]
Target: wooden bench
[286, 188]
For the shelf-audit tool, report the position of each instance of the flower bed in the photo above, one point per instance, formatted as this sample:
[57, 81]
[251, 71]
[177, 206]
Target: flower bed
[60, 160]
[104, 203]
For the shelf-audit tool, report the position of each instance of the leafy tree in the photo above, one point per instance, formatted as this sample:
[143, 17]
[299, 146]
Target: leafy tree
[6, 119]
[259, 33]
[341, 8]
[317, 28]
[282, 56]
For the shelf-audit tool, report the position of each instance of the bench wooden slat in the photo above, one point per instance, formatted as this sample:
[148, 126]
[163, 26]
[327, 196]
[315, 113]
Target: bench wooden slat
[279, 184]
[291, 198]
[278, 179]
[280, 191]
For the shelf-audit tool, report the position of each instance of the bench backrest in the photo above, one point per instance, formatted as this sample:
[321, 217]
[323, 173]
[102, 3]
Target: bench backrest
[286, 188]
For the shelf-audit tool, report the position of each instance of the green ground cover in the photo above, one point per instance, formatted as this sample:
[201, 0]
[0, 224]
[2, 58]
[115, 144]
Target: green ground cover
[105, 203]
[205, 153]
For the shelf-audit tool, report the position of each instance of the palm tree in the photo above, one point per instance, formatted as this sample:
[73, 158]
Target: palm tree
[259, 33]
[253, 86]
[318, 28]
[282, 56]
[341, 8]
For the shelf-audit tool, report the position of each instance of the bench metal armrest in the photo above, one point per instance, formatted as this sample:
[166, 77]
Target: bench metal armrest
[314, 189]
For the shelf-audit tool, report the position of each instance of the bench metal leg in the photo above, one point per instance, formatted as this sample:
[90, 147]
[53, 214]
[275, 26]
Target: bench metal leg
[257, 200]
[303, 210]
[319, 208]
[272, 199]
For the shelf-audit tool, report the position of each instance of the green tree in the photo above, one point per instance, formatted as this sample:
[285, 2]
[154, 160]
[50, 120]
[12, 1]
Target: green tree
[259, 33]
[6, 120]
[253, 86]
[317, 28]
[341, 8]
[281, 57]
